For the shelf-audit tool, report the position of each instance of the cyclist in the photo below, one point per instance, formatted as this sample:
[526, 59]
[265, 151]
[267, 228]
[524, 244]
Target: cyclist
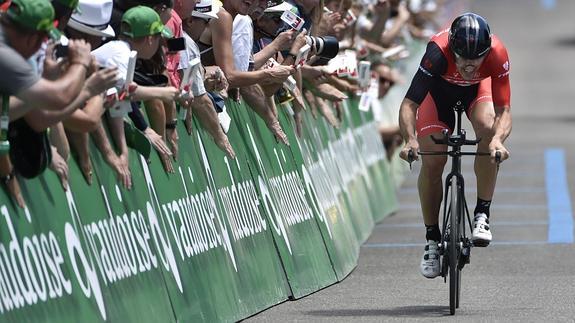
[464, 63]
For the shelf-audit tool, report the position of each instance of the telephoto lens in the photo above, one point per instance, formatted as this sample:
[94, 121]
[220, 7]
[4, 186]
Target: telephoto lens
[324, 46]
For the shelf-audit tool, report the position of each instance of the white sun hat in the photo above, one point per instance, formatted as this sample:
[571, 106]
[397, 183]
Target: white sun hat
[207, 9]
[93, 18]
[278, 6]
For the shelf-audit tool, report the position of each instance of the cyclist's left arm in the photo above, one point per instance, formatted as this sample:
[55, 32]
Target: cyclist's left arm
[502, 104]
[502, 128]
[501, 91]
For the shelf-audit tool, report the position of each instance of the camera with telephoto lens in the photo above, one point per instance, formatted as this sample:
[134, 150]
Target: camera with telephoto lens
[324, 46]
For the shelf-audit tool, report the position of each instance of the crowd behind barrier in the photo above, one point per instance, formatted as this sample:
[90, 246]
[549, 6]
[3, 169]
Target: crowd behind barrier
[195, 160]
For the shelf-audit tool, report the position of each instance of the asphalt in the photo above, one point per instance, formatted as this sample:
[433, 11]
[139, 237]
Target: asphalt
[522, 276]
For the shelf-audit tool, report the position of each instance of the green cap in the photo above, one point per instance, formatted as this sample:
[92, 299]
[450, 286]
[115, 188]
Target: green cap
[37, 15]
[143, 21]
[72, 4]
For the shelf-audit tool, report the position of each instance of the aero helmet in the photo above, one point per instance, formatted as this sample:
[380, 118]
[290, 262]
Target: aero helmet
[470, 36]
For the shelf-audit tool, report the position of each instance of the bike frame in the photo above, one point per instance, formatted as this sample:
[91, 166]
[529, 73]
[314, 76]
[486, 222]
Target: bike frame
[459, 245]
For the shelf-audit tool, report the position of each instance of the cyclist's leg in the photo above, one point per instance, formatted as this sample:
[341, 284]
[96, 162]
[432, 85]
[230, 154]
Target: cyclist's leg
[430, 184]
[430, 181]
[482, 117]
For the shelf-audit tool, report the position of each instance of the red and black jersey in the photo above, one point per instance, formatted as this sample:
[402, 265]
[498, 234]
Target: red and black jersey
[438, 66]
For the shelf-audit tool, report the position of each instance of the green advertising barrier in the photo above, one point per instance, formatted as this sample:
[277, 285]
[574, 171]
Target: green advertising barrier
[260, 274]
[338, 154]
[296, 234]
[218, 240]
[381, 188]
[318, 168]
[354, 170]
[127, 237]
[91, 259]
[203, 247]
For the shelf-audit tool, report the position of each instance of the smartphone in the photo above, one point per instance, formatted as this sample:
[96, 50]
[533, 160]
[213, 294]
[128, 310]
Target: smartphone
[61, 51]
[176, 44]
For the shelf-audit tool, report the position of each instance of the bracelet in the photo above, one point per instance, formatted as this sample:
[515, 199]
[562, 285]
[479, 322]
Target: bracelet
[87, 67]
[172, 125]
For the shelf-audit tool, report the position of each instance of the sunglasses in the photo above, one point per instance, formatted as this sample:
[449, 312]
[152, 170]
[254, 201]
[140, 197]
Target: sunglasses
[386, 80]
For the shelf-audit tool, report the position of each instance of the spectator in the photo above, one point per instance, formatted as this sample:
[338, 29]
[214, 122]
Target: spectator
[22, 35]
[216, 47]
[204, 79]
[141, 30]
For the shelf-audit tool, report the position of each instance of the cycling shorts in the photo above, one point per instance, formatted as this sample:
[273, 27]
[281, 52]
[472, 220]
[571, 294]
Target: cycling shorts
[436, 113]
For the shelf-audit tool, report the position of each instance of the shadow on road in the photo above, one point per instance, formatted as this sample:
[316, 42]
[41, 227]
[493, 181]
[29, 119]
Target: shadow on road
[403, 311]
[568, 41]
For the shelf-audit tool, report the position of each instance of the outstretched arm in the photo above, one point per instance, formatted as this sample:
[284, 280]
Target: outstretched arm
[407, 113]
[502, 129]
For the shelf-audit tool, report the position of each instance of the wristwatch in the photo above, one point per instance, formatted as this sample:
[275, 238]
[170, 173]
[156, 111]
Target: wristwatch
[172, 124]
[8, 177]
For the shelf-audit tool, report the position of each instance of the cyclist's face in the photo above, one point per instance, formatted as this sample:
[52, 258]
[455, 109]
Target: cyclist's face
[467, 67]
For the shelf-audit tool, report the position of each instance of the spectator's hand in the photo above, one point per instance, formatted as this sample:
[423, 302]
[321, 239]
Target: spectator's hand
[14, 190]
[298, 106]
[101, 80]
[52, 69]
[311, 99]
[403, 14]
[215, 80]
[163, 150]
[79, 52]
[338, 111]
[328, 21]
[497, 146]
[122, 168]
[315, 74]
[169, 94]
[223, 143]
[121, 174]
[172, 138]
[382, 7]
[86, 168]
[277, 131]
[284, 40]
[188, 123]
[330, 93]
[279, 73]
[60, 167]
[327, 113]
[299, 42]
[413, 146]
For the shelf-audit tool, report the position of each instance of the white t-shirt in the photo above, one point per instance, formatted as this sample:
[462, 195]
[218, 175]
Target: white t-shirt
[193, 51]
[114, 53]
[242, 41]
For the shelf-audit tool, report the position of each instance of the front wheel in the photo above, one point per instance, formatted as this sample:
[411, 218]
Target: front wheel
[454, 248]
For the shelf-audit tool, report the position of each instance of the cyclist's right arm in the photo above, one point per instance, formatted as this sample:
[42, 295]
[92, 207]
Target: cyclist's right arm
[432, 64]
[407, 113]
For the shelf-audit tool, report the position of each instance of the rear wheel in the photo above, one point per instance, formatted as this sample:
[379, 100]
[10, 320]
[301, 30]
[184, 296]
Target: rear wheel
[453, 248]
